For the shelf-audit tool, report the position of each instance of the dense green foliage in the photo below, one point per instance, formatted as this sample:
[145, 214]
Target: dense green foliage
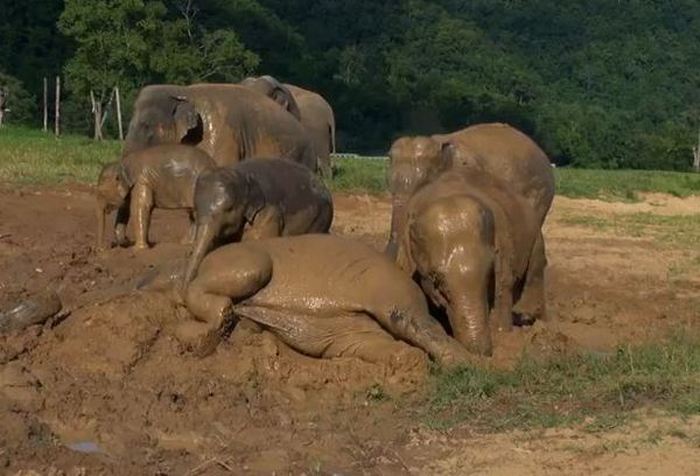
[597, 83]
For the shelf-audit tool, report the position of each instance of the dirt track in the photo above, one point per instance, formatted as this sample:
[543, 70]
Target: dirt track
[110, 374]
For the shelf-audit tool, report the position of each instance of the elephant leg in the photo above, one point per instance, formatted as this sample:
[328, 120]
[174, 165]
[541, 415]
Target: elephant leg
[141, 207]
[532, 302]
[501, 316]
[211, 295]
[120, 222]
[267, 224]
[353, 334]
[188, 239]
[418, 328]
[468, 310]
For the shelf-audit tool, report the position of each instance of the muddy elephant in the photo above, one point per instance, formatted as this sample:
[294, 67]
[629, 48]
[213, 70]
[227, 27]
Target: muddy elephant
[468, 206]
[310, 108]
[229, 122]
[351, 301]
[273, 89]
[163, 176]
[257, 199]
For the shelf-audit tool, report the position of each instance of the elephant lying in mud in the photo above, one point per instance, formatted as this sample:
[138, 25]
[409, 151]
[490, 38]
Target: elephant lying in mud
[314, 112]
[161, 177]
[257, 199]
[229, 122]
[468, 209]
[323, 295]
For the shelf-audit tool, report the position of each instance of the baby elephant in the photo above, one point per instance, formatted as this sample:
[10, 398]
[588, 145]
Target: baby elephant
[256, 199]
[163, 177]
[350, 302]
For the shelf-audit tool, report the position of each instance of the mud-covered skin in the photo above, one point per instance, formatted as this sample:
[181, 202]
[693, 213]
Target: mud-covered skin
[32, 311]
[318, 118]
[257, 199]
[158, 177]
[451, 191]
[229, 122]
[278, 92]
[350, 302]
[314, 112]
[496, 149]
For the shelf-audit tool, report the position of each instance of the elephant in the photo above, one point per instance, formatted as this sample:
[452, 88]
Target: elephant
[468, 206]
[163, 176]
[229, 122]
[323, 295]
[310, 108]
[255, 200]
[278, 92]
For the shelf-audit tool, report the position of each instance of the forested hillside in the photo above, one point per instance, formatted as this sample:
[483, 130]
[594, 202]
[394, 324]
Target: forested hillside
[600, 83]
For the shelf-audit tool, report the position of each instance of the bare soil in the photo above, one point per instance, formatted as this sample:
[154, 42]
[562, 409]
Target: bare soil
[105, 389]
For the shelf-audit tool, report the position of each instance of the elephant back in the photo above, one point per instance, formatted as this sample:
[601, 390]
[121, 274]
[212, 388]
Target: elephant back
[506, 153]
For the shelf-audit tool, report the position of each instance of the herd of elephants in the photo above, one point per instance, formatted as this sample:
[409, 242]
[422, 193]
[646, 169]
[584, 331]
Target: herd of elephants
[466, 228]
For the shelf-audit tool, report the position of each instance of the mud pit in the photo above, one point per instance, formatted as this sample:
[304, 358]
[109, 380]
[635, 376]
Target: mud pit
[104, 389]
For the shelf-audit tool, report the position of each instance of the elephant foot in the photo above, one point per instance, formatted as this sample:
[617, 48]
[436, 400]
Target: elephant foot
[521, 319]
[141, 246]
[408, 360]
[201, 339]
[454, 355]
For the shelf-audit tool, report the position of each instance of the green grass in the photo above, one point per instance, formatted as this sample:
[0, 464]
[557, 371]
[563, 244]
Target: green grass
[30, 156]
[602, 391]
[681, 230]
[624, 185]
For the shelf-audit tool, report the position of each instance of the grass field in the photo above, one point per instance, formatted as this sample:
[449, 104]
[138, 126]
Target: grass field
[30, 156]
[599, 389]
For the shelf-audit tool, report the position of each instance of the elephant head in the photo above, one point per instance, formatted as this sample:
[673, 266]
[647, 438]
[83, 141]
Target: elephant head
[112, 193]
[163, 115]
[224, 201]
[278, 92]
[413, 162]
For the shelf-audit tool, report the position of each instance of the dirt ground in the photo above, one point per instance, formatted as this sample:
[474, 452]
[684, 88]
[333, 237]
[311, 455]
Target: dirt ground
[104, 388]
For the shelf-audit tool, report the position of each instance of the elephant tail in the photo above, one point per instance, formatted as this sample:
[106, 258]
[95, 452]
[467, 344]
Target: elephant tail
[331, 127]
[35, 310]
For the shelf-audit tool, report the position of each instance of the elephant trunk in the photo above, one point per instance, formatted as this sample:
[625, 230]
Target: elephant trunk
[468, 311]
[207, 232]
[398, 223]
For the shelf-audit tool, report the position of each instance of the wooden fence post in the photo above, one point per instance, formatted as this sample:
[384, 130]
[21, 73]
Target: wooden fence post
[696, 155]
[119, 113]
[46, 104]
[57, 128]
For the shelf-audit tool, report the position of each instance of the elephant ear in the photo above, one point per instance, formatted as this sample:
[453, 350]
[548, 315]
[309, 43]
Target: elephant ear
[284, 98]
[255, 199]
[188, 123]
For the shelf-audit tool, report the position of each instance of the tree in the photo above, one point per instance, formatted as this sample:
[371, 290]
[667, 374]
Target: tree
[188, 52]
[15, 100]
[113, 39]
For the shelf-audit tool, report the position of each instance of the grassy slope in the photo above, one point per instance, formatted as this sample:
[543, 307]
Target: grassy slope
[29, 156]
